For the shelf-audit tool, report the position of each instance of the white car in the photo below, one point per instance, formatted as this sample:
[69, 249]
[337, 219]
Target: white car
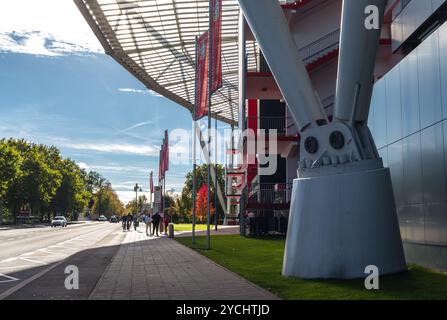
[59, 221]
[102, 218]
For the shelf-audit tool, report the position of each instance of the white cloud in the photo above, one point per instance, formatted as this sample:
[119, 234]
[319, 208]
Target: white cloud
[112, 148]
[45, 27]
[83, 165]
[124, 168]
[131, 90]
[141, 124]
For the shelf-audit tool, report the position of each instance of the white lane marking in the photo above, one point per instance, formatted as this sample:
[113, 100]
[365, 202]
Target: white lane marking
[25, 282]
[9, 278]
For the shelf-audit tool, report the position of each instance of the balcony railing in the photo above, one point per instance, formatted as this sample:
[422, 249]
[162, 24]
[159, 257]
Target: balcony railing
[273, 196]
[277, 123]
[323, 45]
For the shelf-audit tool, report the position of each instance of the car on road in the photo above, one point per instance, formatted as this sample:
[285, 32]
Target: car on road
[60, 221]
[102, 218]
[114, 219]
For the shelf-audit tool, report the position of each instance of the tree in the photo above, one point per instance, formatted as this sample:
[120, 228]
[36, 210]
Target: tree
[107, 202]
[132, 207]
[72, 196]
[10, 162]
[202, 204]
[202, 175]
[37, 185]
[181, 209]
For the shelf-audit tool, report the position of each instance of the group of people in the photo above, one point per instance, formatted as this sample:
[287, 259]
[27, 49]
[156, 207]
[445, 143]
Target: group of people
[155, 223]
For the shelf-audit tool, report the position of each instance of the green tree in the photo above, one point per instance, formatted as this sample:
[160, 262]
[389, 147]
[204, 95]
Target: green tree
[37, 185]
[72, 196]
[181, 209]
[10, 162]
[107, 202]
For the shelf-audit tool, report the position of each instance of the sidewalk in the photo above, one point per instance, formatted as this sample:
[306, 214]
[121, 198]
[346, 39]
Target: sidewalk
[161, 268]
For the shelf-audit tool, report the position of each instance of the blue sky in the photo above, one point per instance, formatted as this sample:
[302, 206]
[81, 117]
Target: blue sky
[57, 88]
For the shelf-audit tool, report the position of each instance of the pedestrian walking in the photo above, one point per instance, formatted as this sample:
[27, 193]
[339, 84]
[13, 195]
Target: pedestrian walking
[155, 223]
[129, 220]
[166, 220]
[162, 221]
[124, 222]
[148, 222]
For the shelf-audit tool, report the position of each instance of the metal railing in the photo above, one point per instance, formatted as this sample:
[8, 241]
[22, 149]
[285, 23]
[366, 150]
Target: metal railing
[325, 44]
[270, 193]
[278, 123]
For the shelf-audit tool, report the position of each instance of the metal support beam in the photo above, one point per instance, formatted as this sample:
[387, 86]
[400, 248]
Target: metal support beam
[270, 28]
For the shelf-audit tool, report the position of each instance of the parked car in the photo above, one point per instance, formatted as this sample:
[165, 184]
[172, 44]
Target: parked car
[59, 221]
[114, 219]
[102, 218]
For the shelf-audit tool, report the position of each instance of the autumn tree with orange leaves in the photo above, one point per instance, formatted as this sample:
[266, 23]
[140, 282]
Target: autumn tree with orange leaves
[201, 204]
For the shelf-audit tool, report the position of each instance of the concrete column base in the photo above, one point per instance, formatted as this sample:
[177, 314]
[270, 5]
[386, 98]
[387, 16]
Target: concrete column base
[341, 223]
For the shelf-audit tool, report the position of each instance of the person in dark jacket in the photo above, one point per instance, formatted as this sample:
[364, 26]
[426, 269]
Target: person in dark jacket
[129, 221]
[155, 223]
[124, 222]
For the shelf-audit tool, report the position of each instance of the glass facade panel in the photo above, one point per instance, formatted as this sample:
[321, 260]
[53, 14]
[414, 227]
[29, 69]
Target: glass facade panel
[416, 149]
[429, 81]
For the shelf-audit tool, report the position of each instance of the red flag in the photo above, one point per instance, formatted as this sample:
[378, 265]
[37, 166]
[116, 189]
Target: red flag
[151, 182]
[201, 103]
[216, 26]
[160, 166]
[166, 148]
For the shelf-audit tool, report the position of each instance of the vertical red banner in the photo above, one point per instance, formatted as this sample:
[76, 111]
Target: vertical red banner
[201, 108]
[151, 183]
[166, 153]
[216, 26]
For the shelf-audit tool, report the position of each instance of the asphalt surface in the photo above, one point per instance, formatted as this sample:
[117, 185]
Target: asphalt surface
[33, 261]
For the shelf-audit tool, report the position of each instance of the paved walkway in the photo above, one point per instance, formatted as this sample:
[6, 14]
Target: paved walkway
[161, 268]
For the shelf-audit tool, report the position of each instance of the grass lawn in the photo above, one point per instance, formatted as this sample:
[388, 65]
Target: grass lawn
[260, 261]
[188, 227]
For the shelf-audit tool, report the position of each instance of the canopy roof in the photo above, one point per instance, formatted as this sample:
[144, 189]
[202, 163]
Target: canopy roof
[155, 41]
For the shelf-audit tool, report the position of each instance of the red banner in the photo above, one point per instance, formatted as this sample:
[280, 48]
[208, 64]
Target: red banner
[163, 165]
[216, 26]
[166, 155]
[160, 166]
[202, 77]
[151, 182]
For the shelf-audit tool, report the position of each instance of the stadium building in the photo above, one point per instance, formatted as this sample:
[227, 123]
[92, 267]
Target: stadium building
[155, 41]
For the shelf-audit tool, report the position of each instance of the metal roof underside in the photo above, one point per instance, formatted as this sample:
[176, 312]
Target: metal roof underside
[155, 41]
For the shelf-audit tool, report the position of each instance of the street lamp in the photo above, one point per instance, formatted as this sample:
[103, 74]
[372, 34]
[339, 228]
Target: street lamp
[136, 189]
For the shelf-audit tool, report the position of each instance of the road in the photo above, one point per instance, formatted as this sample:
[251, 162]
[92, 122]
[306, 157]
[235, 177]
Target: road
[33, 260]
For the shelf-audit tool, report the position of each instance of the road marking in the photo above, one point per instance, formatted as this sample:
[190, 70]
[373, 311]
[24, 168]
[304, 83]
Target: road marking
[10, 279]
[25, 282]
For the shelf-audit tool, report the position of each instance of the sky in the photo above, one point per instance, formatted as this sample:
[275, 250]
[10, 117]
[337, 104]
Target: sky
[58, 88]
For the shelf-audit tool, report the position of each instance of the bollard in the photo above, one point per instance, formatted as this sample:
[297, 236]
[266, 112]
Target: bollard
[171, 230]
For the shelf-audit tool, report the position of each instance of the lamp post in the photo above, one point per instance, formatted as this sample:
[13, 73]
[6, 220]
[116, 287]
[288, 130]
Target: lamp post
[136, 188]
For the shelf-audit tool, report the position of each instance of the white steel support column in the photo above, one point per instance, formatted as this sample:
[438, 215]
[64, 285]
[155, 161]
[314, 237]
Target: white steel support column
[342, 215]
[358, 51]
[269, 26]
